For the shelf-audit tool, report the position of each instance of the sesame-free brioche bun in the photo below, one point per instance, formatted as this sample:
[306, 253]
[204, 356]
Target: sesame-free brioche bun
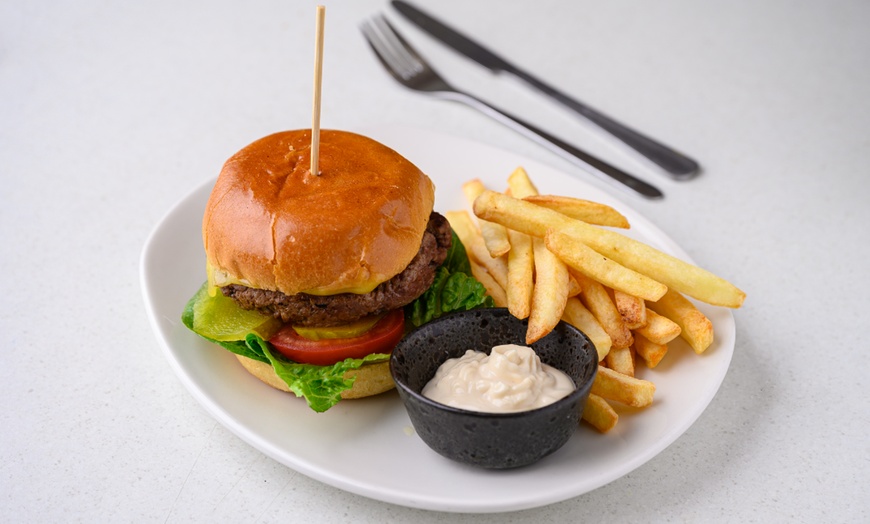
[371, 379]
[272, 224]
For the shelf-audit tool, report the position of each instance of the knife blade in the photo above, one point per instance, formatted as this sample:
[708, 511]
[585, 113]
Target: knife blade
[675, 164]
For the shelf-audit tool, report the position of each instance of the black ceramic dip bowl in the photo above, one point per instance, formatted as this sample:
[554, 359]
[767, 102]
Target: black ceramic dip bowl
[491, 440]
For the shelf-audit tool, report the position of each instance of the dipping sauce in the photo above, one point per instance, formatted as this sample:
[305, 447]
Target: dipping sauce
[512, 378]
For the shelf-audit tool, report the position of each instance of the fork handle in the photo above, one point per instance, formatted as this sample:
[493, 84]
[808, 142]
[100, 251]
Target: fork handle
[559, 146]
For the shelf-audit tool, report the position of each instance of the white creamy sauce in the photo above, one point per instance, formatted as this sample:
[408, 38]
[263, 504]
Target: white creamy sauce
[512, 378]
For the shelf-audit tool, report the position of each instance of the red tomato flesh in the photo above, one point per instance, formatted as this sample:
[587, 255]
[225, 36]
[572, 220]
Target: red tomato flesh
[381, 338]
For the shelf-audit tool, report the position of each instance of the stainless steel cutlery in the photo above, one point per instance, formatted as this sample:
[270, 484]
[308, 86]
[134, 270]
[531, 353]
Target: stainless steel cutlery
[672, 162]
[412, 71]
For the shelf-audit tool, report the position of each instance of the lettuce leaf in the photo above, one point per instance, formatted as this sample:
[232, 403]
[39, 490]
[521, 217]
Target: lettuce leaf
[454, 289]
[457, 258]
[321, 386]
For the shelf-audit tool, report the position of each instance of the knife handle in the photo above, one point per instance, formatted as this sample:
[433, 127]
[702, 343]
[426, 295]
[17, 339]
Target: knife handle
[674, 163]
[559, 146]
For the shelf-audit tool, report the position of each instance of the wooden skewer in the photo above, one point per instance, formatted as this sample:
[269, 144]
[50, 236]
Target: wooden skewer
[318, 75]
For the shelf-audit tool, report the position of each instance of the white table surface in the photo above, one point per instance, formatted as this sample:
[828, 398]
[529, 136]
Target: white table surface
[109, 114]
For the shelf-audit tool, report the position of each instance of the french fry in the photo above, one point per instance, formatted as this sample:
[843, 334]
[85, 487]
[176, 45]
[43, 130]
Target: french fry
[471, 238]
[472, 189]
[495, 236]
[497, 267]
[672, 272]
[620, 359]
[669, 270]
[696, 328]
[578, 316]
[626, 296]
[550, 292]
[649, 351]
[632, 309]
[521, 181]
[599, 413]
[630, 391]
[585, 210]
[519, 215]
[462, 225]
[587, 261]
[573, 286]
[658, 328]
[634, 356]
[596, 300]
[492, 287]
[520, 185]
[521, 268]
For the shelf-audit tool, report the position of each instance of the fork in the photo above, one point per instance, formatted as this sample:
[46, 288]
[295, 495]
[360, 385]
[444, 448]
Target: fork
[410, 69]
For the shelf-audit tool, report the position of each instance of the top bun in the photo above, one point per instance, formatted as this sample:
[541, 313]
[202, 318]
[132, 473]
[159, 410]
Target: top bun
[271, 224]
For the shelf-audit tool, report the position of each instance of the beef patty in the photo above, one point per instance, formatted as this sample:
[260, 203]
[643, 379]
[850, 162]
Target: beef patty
[303, 309]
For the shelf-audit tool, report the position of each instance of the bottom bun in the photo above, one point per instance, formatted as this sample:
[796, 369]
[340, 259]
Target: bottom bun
[371, 379]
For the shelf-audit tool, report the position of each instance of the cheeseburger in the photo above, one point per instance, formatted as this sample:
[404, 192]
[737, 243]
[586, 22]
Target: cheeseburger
[312, 279]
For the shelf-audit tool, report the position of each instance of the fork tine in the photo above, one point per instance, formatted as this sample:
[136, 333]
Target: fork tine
[379, 47]
[406, 54]
[385, 52]
[394, 52]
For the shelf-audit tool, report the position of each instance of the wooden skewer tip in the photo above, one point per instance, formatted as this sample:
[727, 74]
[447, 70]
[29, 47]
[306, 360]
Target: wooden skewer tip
[318, 76]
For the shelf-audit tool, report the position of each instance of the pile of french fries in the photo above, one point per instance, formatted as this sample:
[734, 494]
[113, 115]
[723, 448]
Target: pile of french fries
[547, 258]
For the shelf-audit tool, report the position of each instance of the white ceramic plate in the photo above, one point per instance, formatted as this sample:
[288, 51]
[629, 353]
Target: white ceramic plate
[368, 446]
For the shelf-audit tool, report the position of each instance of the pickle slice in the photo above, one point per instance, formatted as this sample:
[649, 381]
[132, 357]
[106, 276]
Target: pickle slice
[219, 318]
[351, 330]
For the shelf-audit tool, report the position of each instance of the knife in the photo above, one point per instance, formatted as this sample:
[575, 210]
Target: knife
[675, 164]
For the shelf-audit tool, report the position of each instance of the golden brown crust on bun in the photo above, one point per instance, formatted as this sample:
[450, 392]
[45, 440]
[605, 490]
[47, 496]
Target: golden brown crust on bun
[271, 224]
[371, 379]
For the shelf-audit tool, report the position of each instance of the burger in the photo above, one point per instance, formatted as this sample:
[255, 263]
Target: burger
[313, 278]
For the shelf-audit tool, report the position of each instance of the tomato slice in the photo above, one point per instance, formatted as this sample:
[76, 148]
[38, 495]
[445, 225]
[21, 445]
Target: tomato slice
[381, 338]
